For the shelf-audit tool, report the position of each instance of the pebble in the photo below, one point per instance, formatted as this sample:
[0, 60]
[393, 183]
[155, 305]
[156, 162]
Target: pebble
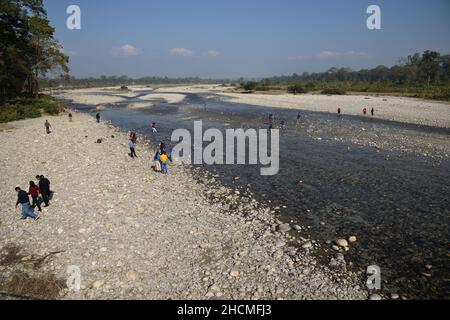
[132, 275]
[375, 296]
[307, 245]
[342, 243]
[352, 239]
[234, 273]
[284, 227]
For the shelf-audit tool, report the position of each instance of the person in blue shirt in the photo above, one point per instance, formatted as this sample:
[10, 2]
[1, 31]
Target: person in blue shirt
[24, 200]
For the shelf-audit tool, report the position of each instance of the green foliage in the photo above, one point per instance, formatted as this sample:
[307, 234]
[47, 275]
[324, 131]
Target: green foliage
[250, 85]
[333, 91]
[29, 107]
[27, 48]
[424, 75]
[297, 89]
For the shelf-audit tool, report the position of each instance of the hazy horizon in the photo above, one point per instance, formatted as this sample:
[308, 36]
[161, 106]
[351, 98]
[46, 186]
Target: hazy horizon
[229, 40]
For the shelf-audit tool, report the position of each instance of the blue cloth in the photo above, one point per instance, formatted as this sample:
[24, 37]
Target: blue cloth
[27, 211]
[164, 168]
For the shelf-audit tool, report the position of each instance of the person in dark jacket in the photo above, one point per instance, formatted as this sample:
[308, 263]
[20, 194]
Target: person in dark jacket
[44, 189]
[97, 116]
[22, 198]
[33, 191]
[47, 126]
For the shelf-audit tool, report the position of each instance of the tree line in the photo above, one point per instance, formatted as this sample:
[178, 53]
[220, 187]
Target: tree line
[28, 50]
[104, 81]
[423, 75]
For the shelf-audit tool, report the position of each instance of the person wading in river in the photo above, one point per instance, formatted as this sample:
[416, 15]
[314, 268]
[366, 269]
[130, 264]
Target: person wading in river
[154, 130]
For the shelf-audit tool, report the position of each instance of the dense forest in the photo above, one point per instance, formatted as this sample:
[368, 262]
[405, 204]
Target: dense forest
[423, 75]
[28, 51]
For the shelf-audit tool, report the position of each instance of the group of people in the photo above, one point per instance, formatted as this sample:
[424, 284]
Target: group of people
[23, 197]
[162, 158]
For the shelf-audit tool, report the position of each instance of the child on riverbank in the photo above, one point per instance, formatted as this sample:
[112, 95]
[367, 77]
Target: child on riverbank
[164, 159]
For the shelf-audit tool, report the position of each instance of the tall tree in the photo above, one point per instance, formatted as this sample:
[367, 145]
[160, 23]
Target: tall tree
[28, 49]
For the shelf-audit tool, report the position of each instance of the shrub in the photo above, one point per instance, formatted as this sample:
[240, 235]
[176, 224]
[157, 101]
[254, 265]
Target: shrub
[333, 91]
[26, 107]
[250, 85]
[296, 88]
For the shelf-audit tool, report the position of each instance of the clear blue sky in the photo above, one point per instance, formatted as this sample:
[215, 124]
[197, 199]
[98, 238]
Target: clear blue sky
[249, 38]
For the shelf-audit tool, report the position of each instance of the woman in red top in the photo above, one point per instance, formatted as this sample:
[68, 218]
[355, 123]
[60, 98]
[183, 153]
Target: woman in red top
[34, 193]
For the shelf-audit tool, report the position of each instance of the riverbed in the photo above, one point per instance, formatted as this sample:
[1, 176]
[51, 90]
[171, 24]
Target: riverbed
[385, 182]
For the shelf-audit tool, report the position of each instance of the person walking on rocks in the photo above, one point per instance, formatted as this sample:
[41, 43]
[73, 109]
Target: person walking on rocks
[132, 146]
[164, 159]
[33, 191]
[70, 117]
[133, 136]
[372, 112]
[97, 116]
[156, 161]
[24, 200]
[47, 126]
[44, 189]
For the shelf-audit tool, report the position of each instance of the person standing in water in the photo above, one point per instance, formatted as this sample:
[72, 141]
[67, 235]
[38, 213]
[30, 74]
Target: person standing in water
[298, 117]
[47, 126]
[24, 200]
[97, 117]
[154, 130]
[339, 112]
[33, 191]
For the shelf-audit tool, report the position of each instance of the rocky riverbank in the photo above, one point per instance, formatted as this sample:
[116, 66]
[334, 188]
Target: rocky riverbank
[136, 234]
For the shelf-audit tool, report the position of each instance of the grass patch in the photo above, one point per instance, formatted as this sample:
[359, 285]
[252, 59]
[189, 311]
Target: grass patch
[43, 286]
[333, 91]
[34, 283]
[27, 108]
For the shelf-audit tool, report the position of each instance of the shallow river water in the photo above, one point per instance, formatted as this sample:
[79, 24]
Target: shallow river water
[396, 202]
